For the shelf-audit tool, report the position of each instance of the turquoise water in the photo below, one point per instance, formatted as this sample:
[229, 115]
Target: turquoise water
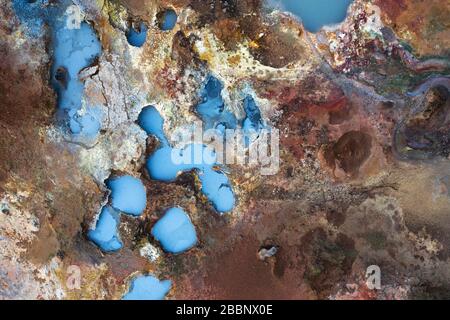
[167, 162]
[217, 189]
[160, 166]
[253, 119]
[148, 288]
[87, 124]
[153, 124]
[73, 50]
[137, 38]
[212, 111]
[212, 108]
[169, 20]
[315, 13]
[175, 231]
[105, 235]
[253, 122]
[128, 195]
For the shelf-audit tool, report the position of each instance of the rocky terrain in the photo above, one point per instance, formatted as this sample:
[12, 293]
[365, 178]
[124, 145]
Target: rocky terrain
[363, 111]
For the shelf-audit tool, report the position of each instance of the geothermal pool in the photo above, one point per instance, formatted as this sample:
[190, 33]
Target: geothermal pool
[105, 235]
[137, 38]
[315, 13]
[168, 20]
[75, 47]
[167, 162]
[175, 231]
[212, 107]
[128, 195]
[148, 288]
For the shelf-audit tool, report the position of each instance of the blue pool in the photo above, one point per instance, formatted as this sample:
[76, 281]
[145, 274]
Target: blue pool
[128, 194]
[211, 109]
[217, 189]
[153, 124]
[105, 235]
[168, 20]
[148, 288]
[137, 38]
[175, 231]
[253, 119]
[73, 50]
[315, 13]
[167, 162]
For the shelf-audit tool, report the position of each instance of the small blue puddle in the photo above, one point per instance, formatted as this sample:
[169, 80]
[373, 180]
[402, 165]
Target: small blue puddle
[253, 120]
[105, 234]
[214, 116]
[153, 124]
[217, 189]
[212, 108]
[316, 13]
[148, 288]
[128, 195]
[175, 231]
[167, 162]
[73, 50]
[137, 38]
[168, 20]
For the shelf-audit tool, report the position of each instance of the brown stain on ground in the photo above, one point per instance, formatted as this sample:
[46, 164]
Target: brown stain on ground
[351, 150]
[236, 272]
[241, 275]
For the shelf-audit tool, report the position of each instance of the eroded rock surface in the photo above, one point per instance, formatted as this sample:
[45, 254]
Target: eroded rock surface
[363, 112]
